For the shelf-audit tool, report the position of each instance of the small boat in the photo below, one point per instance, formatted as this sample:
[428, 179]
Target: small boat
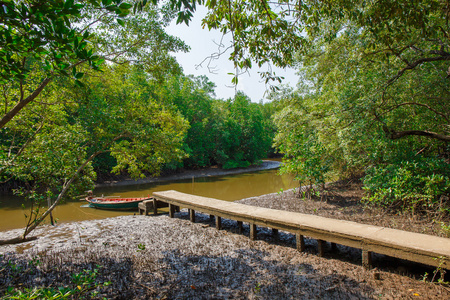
[115, 203]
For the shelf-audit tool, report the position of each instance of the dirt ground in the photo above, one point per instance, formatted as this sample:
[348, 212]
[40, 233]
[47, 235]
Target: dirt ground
[162, 258]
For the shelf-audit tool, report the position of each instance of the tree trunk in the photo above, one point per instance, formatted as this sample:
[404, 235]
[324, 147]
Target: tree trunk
[21, 104]
[17, 240]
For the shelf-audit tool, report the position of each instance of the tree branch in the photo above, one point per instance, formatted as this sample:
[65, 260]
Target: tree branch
[66, 187]
[418, 104]
[394, 135]
[411, 66]
[11, 161]
[21, 104]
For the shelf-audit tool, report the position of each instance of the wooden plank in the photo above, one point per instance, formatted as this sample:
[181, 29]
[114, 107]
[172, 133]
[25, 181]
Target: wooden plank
[334, 247]
[417, 247]
[148, 206]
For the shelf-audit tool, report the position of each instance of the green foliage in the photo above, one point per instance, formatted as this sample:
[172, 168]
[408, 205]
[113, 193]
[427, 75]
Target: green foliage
[193, 98]
[141, 247]
[122, 117]
[415, 184]
[234, 133]
[445, 229]
[59, 39]
[46, 32]
[84, 284]
[374, 89]
[298, 140]
[246, 135]
[50, 146]
[261, 32]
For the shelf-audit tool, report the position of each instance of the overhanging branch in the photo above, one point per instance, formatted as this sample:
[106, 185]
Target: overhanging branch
[399, 134]
[413, 65]
[21, 104]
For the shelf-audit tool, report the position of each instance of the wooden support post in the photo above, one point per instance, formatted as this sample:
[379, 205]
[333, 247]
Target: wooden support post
[321, 247]
[367, 259]
[240, 227]
[171, 210]
[155, 206]
[211, 218]
[300, 240]
[218, 223]
[192, 215]
[253, 232]
[334, 247]
[275, 232]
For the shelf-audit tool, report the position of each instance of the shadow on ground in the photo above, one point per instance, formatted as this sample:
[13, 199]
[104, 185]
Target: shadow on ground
[247, 274]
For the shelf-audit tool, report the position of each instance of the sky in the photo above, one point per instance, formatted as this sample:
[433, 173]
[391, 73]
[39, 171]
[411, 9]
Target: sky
[203, 44]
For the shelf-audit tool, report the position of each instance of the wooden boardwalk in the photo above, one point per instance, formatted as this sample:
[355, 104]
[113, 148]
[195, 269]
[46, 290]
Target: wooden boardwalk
[422, 248]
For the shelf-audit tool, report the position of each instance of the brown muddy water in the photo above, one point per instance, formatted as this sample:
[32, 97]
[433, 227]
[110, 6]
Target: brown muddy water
[229, 188]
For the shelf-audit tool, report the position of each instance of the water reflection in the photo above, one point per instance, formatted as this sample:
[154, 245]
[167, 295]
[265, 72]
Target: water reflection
[230, 188]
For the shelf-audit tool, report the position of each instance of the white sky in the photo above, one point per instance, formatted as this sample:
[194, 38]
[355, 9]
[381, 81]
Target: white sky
[203, 44]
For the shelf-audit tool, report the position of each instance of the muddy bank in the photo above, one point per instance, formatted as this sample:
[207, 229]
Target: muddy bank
[187, 174]
[162, 258]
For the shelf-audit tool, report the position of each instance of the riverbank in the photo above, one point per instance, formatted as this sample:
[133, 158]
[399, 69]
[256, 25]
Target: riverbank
[159, 257]
[188, 174]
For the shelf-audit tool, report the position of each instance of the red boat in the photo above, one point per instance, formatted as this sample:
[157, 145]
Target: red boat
[115, 203]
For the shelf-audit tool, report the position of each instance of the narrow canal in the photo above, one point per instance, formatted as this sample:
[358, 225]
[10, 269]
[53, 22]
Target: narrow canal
[230, 188]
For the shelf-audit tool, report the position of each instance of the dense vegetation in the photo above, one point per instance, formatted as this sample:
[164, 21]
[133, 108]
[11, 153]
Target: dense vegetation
[232, 133]
[90, 87]
[373, 100]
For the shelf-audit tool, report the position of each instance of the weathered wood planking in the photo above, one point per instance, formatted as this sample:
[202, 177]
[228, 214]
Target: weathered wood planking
[422, 248]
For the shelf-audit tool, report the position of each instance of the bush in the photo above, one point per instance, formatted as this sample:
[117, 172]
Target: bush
[233, 164]
[412, 185]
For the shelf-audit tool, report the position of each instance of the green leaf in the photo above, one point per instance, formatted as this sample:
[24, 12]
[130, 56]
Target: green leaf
[125, 6]
[79, 83]
[111, 8]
